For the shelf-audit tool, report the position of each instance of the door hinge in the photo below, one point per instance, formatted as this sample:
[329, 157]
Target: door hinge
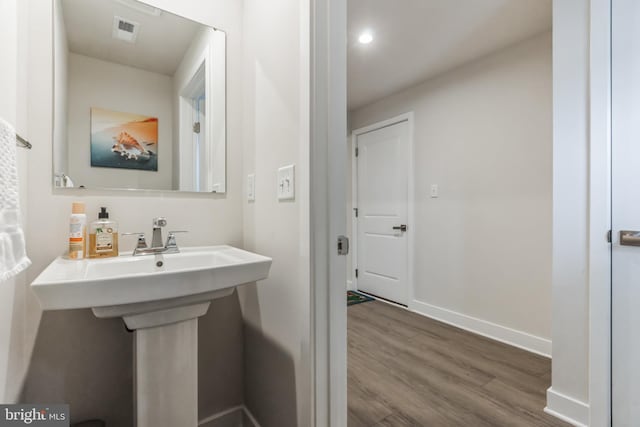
[609, 236]
[196, 127]
[356, 273]
[343, 245]
[357, 152]
[356, 211]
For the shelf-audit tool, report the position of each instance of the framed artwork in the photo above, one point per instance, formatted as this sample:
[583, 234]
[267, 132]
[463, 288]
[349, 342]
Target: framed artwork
[123, 140]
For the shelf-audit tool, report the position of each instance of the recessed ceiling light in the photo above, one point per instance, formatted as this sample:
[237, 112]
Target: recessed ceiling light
[366, 37]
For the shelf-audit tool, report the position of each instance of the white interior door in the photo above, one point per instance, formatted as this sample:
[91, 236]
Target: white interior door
[382, 203]
[625, 321]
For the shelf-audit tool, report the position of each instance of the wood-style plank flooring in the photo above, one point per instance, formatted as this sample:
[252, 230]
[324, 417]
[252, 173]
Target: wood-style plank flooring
[408, 370]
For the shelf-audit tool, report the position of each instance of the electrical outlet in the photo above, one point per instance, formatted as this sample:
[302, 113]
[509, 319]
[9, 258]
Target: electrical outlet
[434, 191]
[251, 187]
[286, 183]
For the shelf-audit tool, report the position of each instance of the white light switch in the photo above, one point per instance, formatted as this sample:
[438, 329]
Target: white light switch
[434, 190]
[286, 183]
[251, 187]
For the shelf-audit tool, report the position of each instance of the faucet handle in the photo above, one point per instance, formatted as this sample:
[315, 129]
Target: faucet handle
[171, 238]
[159, 221]
[142, 239]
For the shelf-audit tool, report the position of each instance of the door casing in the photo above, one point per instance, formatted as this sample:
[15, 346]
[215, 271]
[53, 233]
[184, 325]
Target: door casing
[328, 29]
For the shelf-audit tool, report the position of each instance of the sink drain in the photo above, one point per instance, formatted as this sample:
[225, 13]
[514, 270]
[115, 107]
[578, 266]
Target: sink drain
[159, 264]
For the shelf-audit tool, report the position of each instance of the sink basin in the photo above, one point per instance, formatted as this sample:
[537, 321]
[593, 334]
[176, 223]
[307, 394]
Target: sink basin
[160, 297]
[94, 283]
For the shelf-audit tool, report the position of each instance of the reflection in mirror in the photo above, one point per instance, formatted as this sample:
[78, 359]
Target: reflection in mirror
[139, 98]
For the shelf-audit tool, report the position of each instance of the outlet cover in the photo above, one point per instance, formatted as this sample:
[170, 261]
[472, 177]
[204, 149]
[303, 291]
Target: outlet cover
[434, 191]
[251, 187]
[286, 183]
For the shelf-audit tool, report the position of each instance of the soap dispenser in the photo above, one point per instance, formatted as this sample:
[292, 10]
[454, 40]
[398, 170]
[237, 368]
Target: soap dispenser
[103, 236]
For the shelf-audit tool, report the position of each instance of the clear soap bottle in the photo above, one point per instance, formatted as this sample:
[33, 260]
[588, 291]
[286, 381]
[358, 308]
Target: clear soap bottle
[103, 236]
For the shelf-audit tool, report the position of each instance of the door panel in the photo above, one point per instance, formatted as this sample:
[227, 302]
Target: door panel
[625, 295]
[383, 204]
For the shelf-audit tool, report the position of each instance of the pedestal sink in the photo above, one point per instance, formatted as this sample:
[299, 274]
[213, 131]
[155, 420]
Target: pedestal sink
[160, 297]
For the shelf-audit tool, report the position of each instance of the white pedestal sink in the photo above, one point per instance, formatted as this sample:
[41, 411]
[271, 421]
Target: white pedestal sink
[160, 297]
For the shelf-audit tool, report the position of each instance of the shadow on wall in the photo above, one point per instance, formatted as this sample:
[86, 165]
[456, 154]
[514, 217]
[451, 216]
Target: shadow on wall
[87, 363]
[270, 382]
[220, 376]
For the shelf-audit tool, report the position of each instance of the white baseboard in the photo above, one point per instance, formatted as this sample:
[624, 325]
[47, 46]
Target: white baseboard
[228, 412]
[567, 408]
[350, 286]
[250, 416]
[523, 340]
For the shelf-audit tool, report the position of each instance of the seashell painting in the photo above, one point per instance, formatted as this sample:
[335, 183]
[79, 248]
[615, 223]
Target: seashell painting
[123, 140]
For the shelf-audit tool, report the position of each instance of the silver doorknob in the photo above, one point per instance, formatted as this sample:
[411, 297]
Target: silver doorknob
[629, 238]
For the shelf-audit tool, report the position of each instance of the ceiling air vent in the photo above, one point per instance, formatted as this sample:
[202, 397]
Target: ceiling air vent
[125, 29]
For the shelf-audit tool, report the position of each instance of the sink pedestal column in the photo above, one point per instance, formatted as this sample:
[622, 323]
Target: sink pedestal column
[166, 367]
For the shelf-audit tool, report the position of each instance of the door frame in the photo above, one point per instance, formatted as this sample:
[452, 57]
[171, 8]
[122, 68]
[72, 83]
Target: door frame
[327, 101]
[409, 118]
[328, 91]
[600, 205]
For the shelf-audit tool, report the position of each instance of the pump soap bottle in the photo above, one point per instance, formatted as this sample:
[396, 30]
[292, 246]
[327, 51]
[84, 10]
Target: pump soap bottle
[77, 231]
[103, 236]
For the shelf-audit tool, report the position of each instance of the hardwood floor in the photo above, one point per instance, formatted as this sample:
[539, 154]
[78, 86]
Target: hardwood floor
[408, 370]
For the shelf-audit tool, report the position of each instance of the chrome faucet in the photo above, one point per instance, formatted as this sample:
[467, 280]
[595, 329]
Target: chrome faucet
[158, 223]
[170, 247]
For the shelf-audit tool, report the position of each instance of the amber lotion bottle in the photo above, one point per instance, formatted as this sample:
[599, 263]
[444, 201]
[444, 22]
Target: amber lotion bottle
[77, 231]
[103, 236]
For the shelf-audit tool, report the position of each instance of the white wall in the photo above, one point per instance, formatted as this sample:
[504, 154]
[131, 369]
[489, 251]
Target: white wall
[210, 219]
[97, 83]
[13, 359]
[483, 134]
[61, 80]
[569, 393]
[276, 133]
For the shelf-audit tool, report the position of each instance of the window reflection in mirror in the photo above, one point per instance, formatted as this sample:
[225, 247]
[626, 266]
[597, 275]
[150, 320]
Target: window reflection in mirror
[139, 98]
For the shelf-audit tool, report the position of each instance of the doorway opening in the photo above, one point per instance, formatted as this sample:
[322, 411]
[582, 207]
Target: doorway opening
[450, 114]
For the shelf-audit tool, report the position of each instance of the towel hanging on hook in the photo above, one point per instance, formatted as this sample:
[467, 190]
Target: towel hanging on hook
[13, 257]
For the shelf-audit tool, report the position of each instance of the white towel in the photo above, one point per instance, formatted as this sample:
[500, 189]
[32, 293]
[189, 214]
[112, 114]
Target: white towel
[13, 257]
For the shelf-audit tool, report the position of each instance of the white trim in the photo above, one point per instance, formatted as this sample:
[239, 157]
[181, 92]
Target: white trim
[384, 123]
[215, 81]
[249, 415]
[350, 286]
[229, 411]
[220, 414]
[515, 338]
[599, 214]
[411, 230]
[327, 206]
[354, 219]
[567, 408]
[409, 118]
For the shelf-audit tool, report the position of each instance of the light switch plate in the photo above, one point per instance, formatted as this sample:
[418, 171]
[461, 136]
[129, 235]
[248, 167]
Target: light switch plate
[251, 187]
[286, 183]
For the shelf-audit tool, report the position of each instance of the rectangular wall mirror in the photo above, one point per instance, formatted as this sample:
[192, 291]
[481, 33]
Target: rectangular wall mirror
[139, 99]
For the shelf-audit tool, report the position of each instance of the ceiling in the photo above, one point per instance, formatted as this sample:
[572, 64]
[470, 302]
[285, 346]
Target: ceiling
[160, 46]
[415, 40]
